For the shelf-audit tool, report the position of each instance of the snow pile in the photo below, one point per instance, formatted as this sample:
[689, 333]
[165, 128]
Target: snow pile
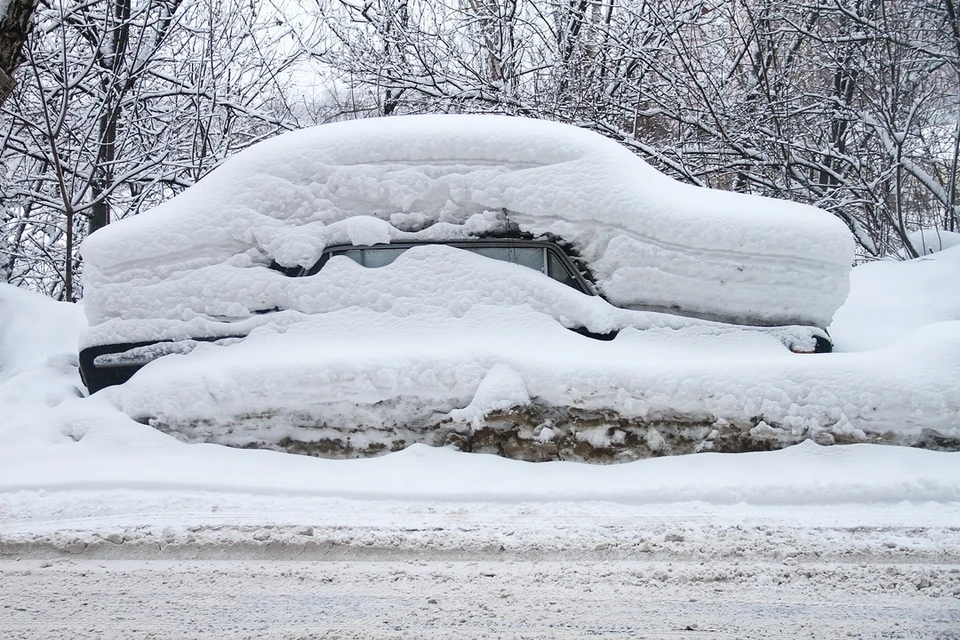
[54, 440]
[38, 351]
[35, 331]
[927, 241]
[890, 299]
[650, 242]
[436, 355]
[428, 359]
[356, 382]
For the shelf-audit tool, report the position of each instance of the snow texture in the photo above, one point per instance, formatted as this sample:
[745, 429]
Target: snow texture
[904, 383]
[395, 372]
[355, 367]
[439, 571]
[201, 259]
[927, 241]
[889, 299]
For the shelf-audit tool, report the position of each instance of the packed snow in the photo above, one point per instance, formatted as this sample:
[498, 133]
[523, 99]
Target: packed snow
[530, 572]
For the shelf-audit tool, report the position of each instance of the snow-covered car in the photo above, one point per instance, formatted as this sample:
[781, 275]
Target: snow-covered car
[403, 272]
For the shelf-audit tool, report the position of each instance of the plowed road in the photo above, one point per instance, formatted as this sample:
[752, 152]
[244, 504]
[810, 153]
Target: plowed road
[476, 595]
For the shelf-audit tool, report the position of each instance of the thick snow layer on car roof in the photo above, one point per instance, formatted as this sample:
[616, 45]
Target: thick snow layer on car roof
[650, 242]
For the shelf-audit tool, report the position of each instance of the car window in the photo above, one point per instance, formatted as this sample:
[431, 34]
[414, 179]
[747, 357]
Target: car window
[372, 257]
[542, 257]
[525, 256]
[557, 270]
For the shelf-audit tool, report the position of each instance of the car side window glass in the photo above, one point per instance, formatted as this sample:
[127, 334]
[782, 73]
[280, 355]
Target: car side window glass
[540, 258]
[371, 257]
[380, 256]
[354, 254]
[531, 257]
[557, 270]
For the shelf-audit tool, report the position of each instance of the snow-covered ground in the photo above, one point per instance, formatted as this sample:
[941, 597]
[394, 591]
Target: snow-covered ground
[472, 569]
[109, 528]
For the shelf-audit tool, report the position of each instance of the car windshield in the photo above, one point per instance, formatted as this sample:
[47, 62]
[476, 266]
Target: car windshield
[543, 257]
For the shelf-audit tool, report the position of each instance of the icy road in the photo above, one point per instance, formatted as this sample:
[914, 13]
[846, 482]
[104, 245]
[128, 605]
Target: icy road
[247, 567]
[488, 598]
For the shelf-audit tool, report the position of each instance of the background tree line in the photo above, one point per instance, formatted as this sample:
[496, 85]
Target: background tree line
[850, 105]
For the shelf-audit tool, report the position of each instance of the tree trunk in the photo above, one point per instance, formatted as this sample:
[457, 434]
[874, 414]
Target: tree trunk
[113, 89]
[14, 27]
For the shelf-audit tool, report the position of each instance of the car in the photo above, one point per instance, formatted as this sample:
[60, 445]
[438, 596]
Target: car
[109, 364]
[466, 232]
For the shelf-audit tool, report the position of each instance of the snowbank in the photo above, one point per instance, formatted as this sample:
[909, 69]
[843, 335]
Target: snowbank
[423, 351]
[928, 241]
[54, 440]
[38, 354]
[35, 331]
[355, 382]
[889, 299]
[650, 242]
